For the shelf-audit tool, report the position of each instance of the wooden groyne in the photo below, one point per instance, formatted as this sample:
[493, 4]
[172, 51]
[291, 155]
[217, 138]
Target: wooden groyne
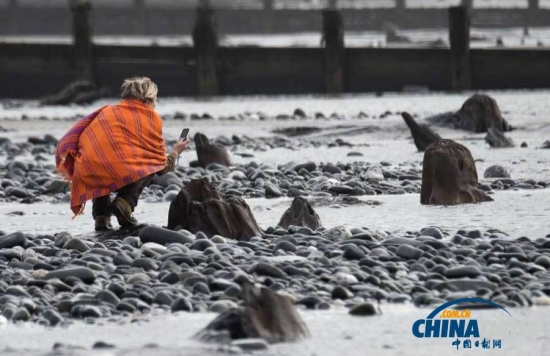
[33, 70]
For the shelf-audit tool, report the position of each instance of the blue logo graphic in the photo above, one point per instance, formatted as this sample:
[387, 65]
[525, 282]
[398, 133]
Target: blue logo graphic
[459, 324]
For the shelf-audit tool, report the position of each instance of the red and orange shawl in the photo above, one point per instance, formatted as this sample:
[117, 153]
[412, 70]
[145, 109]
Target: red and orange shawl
[109, 149]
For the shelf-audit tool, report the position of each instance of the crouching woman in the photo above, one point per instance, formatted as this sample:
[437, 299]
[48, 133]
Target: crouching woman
[117, 149]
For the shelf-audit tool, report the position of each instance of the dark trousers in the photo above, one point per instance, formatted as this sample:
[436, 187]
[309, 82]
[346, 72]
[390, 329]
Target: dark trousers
[130, 193]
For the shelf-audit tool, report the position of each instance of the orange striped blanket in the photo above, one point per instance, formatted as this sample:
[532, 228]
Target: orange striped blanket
[109, 149]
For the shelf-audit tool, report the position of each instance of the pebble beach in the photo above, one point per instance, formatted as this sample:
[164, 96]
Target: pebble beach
[66, 289]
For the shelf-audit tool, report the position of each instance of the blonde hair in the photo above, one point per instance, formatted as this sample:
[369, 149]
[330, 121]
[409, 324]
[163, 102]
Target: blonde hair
[139, 88]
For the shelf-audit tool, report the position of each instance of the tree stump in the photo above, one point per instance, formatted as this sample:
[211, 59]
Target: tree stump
[78, 92]
[423, 135]
[449, 175]
[265, 315]
[199, 207]
[208, 153]
[477, 114]
[496, 139]
[300, 213]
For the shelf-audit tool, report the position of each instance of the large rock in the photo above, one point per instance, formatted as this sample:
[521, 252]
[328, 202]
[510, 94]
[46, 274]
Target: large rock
[300, 213]
[449, 175]
[265, 314]
[423, 135]
[199, 207]
[497, 171]
[208, 153]
[477, 114]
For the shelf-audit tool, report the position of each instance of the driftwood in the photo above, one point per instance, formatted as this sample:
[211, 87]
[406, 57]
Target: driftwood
[78, 92]
[208, 153]
[300, 213]
[477, 114]
[496, 139]
[265, 315]
[199, 207]
[449, 175]
[423, 135]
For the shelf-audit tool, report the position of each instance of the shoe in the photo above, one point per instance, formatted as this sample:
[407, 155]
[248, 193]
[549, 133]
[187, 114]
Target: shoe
[103, 223]
[123, 212]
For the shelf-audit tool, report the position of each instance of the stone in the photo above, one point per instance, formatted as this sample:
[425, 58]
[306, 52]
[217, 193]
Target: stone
[85, 274]
[543, 261]
[449, 176]
[12, 240]
[353, 252]
[76, 244]
[497, 171]
[364, 309]
[162, 236]
[21, 314]
[266, 269]
[463, 272]
[139, 278]
[100, 345]
[62, 238]
[342, 293]
[181, 304]
[284, 246]
[271, 191]
[58, 186]
[432, 231]
[108, 297]
[408, 252]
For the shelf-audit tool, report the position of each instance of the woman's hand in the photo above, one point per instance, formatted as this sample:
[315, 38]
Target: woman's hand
[180, 146]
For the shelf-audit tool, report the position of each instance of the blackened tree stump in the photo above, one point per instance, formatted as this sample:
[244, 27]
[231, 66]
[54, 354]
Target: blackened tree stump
[208, 153]
[199, 207]
[265, 314]
[423, 135]
[496, 139]
[449, 176]
[479, 113]
[300, 213]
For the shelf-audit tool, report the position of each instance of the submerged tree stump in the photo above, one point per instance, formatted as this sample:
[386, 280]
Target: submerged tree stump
[477, 114]
[496, 139]
[449, 175]
[199, 207]
[208, 153]
[300, 213]
[77, 92]
[265, 314]
[423, 135]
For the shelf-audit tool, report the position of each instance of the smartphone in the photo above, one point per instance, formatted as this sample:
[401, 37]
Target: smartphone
[184, 134]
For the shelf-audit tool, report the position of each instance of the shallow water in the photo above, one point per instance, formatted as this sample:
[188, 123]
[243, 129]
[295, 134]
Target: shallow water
[334, 333]
[389, 140]
[519, 213]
